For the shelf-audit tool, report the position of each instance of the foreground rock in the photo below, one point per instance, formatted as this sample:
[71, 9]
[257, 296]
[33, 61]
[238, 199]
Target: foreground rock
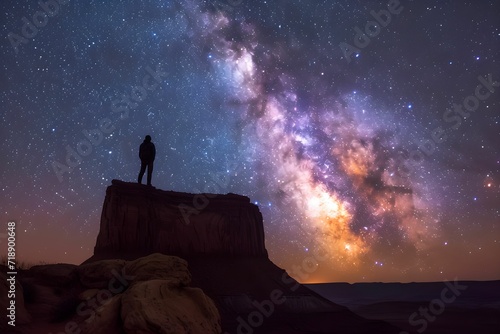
[148, 295]
[162, 308]
[152, 296]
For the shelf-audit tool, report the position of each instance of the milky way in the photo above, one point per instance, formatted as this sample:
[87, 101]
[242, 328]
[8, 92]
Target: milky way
[340, 151]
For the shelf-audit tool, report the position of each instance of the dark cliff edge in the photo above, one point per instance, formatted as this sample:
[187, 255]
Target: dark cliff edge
[222, 238]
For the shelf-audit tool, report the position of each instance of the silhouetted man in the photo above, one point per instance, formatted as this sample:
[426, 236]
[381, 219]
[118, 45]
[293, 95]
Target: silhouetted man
[147, 153]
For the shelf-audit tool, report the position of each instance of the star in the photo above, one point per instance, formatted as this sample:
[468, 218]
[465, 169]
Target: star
[343, 154]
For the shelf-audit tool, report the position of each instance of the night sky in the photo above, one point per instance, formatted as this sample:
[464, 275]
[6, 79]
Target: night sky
[377, 142]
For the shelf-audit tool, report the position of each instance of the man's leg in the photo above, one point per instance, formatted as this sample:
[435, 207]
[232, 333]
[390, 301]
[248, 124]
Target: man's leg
[141, 173]
[150, 172]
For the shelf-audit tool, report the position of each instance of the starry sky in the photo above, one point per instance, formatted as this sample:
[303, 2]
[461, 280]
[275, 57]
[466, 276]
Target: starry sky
[364, 130]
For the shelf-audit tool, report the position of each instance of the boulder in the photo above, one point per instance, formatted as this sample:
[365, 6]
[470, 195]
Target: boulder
[106, 319]
[100, 274]
[171, 269]
[155, 298]
[157, 307]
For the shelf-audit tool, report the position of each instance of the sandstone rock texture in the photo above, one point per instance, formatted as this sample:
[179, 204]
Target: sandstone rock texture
[147, 295]
[138, 219]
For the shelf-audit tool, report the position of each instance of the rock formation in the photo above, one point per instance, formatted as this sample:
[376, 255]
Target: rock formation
[222, 239]
[138, 220]
[148, 295]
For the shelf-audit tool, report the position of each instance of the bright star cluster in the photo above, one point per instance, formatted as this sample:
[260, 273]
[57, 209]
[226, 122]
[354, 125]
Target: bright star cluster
[386, 157]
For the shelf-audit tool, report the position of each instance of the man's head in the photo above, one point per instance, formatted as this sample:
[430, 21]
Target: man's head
[147, 138]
